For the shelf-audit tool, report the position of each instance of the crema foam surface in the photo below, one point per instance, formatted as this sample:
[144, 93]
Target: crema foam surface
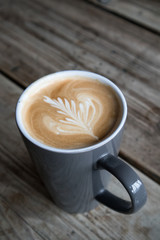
[71, 112]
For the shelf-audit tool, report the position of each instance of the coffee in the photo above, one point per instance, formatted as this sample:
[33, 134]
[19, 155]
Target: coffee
[71, 112]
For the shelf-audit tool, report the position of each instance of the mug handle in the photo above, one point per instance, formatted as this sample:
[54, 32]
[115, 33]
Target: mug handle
[129, 179]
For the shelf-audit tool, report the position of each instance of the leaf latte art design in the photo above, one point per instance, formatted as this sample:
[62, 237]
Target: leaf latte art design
[78, 119]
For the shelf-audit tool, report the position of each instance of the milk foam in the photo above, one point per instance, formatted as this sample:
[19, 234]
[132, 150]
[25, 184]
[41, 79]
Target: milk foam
[71, 112]
[77, 119]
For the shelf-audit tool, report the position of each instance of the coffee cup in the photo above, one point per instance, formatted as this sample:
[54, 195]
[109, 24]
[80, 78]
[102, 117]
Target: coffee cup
[72, 124]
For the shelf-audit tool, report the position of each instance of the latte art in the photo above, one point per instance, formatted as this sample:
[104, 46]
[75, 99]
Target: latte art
[71, 112]
[76, 121]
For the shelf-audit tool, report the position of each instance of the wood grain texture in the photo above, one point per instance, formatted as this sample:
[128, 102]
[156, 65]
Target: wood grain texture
[12, 226]
[46, 38]
[26, 211]
[145, 13]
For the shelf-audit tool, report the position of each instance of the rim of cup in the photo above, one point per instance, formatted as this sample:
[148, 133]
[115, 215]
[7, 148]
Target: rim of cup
[67, 73]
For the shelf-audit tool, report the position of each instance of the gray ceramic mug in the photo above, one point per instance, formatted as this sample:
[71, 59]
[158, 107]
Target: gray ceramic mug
[75, 178]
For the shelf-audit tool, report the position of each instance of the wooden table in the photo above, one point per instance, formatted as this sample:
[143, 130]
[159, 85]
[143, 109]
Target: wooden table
[119, 40]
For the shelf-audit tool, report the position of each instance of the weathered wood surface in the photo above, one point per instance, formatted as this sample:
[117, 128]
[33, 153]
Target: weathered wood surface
[144, 12]
[26, 211]
[38, 38]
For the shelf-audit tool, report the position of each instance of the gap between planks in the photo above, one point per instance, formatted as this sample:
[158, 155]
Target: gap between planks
[131, 12]
[12, 79]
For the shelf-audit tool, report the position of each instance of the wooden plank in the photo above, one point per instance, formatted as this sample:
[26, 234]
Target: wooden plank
[33, 45]
[131, 54]
[144, 12]
[13, 226]
[24, 200]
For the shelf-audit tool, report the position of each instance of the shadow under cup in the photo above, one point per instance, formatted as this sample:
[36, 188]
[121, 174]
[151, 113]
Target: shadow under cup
[74, 177]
